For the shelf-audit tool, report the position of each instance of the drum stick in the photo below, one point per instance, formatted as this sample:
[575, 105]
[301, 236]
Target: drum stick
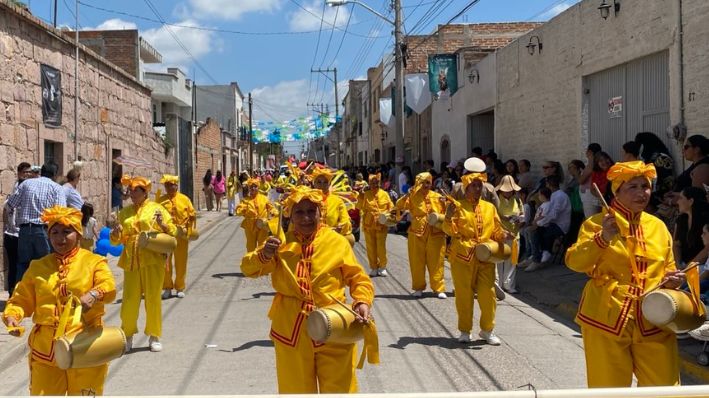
[280, 219]
[660, 285]
[600, 196]
[345, 306]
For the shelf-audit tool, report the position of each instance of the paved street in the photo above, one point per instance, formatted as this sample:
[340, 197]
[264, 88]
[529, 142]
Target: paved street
[216, 339]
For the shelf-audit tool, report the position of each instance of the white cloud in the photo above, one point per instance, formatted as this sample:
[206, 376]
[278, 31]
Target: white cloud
[198, 42]
[283, 101]
[556, 10]
[114, 24]
[232, 9]
[305, 20]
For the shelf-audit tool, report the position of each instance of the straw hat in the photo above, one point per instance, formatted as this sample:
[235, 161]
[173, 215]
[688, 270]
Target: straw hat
[507, 185]
[475, 165]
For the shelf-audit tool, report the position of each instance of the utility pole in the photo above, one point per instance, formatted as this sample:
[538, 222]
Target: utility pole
[337, 107]
[55, 14]
[76, 86]
[399, 97]
[251, 135]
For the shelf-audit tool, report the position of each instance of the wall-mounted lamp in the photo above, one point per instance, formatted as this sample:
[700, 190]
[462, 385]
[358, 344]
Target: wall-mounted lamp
[532, 45]
[474, 76]
[605, 8]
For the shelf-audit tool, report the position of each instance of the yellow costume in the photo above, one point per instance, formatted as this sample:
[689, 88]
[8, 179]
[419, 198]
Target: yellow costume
[372, 203]
[264, 187]
[473, 223]
[334, 208]
[42, 293]
[304, 273]
[232, 186]
[618, 341]
[183, 216]
[426, 244]
[144, 270]
[253, 209]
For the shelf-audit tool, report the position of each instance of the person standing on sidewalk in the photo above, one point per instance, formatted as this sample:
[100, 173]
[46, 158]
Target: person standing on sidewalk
[254, 207]
[232, 187]
[511, 212]
[470, 222]
[12, 230]
[73, 197]
[426, 243]
[219, 188]
[143, 269]
[184, 217]
[373, 202]
[208, 189]
[44, 291]
[625, 251]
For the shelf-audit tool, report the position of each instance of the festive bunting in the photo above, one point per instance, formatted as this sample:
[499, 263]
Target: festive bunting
[302, 128]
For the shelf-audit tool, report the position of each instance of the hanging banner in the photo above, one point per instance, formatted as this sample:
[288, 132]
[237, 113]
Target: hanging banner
[51, 96]
[385, 111]
[418, 97]
[443, 75]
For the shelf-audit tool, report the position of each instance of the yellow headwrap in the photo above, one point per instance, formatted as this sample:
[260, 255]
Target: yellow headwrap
[322, 172]
[623, 172]
[469, 178]
[134, 182]
[171, 179]
[377, 177]
[300, 193]
[67, 216]
[253, 181]
[420, 179]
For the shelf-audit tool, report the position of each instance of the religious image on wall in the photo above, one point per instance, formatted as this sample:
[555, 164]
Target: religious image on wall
[443, 75]
[51, 96]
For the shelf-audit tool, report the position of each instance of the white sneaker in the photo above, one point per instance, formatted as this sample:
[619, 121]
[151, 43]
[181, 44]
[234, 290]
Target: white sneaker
[442, 295]
[499, 293]
[464, 337]
[154, 344]
[533, 267]
[373, 273]
[166, 293]
[383, 272]
[129, 344]
[180, 294]
[490, 337]
[417, 293]
[701, 333]
[546, 256]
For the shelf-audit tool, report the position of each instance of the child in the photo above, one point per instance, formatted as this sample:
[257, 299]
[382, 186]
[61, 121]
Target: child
[88, 222]
[529, 228]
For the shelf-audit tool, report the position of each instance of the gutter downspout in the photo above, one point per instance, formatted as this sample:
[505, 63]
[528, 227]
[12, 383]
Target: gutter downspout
[680, 56]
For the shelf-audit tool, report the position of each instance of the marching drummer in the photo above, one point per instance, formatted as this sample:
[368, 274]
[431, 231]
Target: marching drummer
[183, 216]
[143, 269]
[625, 251]
[46, 289]
[426, 243]
[254, 207]
[471, 222]
[311, 268]
[374, 202]
[334, 209]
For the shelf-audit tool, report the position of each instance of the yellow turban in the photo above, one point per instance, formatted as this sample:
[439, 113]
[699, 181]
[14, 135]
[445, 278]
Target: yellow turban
[67, 216]
[420, 179]
[169, 179]
[469, 178]
[322, 172]
[134, 182]
[253, 181]
[377, 177]
[300, 193]
[623, 172]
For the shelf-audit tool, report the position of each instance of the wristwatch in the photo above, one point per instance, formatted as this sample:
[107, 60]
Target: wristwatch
[94, 294]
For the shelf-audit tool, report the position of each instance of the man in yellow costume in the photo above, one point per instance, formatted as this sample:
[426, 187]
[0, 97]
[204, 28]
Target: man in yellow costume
[184, 217]
[46, 288]
[471, 222]
[426, 243]
[334, 210]
[625, 252]
[144, 270]
[255, 207]
[311, 268]
[372, 203]
[233, 186]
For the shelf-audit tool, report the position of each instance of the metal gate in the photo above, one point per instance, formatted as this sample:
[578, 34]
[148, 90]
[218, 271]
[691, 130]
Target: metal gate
[628, 99]
[185, 167]
[481, 132]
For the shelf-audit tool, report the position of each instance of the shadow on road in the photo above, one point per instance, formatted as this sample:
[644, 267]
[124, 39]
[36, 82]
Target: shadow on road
[405, 297]
[259, 295]
[250, 344]
[443, 342]
[2, 305]
[228, 275]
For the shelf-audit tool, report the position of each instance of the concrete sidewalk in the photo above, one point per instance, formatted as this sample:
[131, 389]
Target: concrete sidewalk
[12, 348]
[557, 290]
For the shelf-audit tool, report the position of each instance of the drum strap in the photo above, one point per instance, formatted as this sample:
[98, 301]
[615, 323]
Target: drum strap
[72, 305]
[370, 348]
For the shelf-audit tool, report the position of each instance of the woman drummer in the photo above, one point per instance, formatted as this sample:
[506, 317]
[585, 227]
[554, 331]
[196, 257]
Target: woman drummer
[144, 270]
[311, 268]
[618, 341]
[372, 203]
[46, 289]
[334, 210]
[255, 206]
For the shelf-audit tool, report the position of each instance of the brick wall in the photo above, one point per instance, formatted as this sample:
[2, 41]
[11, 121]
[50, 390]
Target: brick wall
[120, 47]
[207, 155]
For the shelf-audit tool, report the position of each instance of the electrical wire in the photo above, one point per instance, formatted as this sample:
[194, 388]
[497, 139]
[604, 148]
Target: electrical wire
[333, 25]
[344, 34]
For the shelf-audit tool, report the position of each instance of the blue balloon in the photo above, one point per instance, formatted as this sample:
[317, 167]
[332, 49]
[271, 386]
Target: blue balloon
[105, 233]
[102, 247]
[116, 250]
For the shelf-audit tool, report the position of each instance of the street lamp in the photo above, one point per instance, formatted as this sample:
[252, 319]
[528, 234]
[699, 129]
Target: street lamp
[399, 68]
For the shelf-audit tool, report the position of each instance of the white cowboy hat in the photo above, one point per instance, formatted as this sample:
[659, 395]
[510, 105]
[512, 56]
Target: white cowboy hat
[475, 165]
[507, 185]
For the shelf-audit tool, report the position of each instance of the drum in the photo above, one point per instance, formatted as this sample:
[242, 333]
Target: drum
[435, 220]
[387, 219]
[157, 242]
[188, 233]
[672, 309]
[334, 324]
[89, 348]
[492, 252]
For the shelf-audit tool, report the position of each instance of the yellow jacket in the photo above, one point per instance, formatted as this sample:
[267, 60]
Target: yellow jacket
[336, 214]
[180, 208]
[420, 206]
[45, 289]
[372, 204]
[253, 209]
[470, 225]
[305, 275]
[609, 295]
[264, 187]
[134, 221]
[510, 207]
[232, 186]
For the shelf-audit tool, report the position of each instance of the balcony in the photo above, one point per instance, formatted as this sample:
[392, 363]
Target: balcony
[171, 87]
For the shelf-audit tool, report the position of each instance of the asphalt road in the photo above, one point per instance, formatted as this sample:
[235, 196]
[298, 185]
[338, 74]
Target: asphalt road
[216, 339]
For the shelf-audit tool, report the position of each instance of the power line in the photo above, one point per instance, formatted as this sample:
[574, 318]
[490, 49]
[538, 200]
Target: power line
[547, 9]
[332, 33]
[456, 16]
[315, 56]
[334, 24]
[344, 34]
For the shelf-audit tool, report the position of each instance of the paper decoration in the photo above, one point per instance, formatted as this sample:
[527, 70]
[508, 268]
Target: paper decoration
[418, 96]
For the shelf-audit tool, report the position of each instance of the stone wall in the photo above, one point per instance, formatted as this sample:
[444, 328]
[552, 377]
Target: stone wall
[207, 155]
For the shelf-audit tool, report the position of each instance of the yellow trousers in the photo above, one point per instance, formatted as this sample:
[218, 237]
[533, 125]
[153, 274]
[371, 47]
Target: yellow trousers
[376, 243]
[612, 361]
[254, 238]
[50, 380]
[305, 369]
[148, 281]
[469, 278]
[179, 256]
[426, 252]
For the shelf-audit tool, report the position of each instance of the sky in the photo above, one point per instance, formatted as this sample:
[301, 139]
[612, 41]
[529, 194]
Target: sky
[270, 46]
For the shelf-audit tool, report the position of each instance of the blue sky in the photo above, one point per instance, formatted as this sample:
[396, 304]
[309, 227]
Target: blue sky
[276, 67]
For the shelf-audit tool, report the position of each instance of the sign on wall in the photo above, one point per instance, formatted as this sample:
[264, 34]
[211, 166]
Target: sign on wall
[615, 107]
[443, 75]
[51, 96]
